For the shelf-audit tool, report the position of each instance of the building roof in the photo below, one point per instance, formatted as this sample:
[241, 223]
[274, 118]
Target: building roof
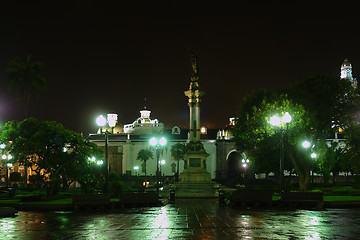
[346, 63]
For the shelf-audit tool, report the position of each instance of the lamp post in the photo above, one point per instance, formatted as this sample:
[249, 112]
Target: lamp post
[157, 144]
[276, 121]
[101, 121]
[8, 165]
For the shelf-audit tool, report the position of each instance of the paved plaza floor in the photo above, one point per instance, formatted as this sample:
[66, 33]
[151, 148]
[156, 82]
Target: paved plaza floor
[185, 219]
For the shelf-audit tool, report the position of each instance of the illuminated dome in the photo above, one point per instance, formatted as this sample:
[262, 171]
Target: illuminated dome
[346, 63]
[117, 129]
[144, 125]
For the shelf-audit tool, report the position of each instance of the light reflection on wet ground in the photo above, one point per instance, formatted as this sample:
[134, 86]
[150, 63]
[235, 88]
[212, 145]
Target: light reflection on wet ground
[187, 219]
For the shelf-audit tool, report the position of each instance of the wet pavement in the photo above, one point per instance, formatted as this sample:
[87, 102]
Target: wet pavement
[186, 219]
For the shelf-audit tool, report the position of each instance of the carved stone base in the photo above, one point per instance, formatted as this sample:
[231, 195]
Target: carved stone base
[196, 190]
[195, 181]
[195, 175]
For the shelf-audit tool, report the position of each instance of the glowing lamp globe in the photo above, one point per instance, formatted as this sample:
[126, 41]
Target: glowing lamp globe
[287, 118]
[101, 121]
[306, 144]
[275, 121]
[162, 141]
[112, 119]
[153, 141]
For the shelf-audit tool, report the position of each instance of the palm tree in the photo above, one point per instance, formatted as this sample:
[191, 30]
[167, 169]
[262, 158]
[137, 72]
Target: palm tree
[144, 155]
[177, 153]
[26, 78]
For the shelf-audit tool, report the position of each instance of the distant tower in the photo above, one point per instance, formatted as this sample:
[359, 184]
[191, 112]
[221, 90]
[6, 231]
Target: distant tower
[346, 72]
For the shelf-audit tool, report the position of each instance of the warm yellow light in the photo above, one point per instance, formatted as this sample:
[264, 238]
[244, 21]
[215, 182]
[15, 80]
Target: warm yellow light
[203, 130]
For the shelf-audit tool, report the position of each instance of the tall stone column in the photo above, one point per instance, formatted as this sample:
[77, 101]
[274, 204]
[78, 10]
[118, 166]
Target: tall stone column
[195, 154]
[195, 181]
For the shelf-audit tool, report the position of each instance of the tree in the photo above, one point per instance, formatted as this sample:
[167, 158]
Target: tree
[352, 150]
[177, 153]
[25, 76]
[331, 103]
[144, 155]
[49, 149]
[256, 137]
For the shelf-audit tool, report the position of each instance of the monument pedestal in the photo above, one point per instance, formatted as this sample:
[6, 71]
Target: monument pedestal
[195, 181]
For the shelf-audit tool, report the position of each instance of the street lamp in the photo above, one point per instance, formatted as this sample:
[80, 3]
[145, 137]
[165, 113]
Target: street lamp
[8, 165]
[157, 144]
[306, 144]
[277, 121]
[101, 121]
[136, 168]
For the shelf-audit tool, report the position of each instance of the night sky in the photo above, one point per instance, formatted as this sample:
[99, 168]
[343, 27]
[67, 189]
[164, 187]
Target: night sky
[104, 57]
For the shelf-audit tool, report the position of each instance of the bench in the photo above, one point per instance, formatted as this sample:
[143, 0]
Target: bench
[251, 198]
[302, 200]
[80, 201]
[136, 199]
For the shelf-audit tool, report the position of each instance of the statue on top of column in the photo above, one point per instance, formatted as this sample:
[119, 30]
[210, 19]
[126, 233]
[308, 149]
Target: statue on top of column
[195, 67]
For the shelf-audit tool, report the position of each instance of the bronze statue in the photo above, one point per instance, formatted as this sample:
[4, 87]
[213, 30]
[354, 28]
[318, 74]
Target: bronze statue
[195, 67]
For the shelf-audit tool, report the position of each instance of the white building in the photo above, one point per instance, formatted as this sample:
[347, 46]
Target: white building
[124, 146]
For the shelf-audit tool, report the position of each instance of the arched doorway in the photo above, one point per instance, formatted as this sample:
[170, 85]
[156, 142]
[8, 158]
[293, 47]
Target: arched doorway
[236, 170]
[234, 164]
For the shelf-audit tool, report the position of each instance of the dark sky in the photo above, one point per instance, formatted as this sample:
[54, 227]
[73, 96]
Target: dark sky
[104, 57]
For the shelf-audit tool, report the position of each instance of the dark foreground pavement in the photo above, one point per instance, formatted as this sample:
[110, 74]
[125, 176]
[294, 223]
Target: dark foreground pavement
[185, 219]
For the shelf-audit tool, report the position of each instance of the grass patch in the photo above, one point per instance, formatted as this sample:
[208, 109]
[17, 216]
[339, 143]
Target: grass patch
[341, 198]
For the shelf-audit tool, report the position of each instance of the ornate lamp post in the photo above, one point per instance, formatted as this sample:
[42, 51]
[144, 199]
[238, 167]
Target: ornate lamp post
[157, 144]
[101, 121]
[276, 121]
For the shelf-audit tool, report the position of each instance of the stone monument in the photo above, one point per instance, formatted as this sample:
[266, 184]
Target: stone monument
[195, 181]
